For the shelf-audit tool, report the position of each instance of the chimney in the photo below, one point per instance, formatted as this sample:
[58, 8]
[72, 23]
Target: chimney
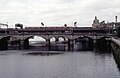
[115, 18]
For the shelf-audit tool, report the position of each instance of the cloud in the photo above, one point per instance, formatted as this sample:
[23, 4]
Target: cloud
[57, 12]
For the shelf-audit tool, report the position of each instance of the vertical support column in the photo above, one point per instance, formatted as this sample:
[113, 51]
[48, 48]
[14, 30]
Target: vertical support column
[48, 44]
[70, 45]
[56, 44]
[91, 44]
[66, 45]
[73, 45]
[56, 39]
[21, 44]
[95, 40]
[26, 44]
[94, 44]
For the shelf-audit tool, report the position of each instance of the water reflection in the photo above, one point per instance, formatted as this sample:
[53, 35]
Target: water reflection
[84, 64]
[49, 53]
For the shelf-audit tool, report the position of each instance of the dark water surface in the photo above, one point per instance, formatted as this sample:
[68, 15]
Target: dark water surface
[68, 65]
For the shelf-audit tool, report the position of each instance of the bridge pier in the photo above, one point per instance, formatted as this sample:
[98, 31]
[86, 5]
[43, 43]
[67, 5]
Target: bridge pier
[66, 46]
[70, 45]
[26, 44]
[48, 45]
[56, 44]
[14, 44]
[94, 44]
[91, 44]
[21, 44]
[56, 39]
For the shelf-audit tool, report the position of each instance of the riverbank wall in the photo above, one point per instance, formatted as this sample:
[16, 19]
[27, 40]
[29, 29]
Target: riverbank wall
[115, 49]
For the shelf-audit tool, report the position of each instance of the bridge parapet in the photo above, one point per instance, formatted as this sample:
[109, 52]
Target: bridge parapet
[23, 36]
[48, 32]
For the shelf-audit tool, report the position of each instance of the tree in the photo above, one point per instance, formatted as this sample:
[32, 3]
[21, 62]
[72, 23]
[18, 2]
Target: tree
[65, 25]
[19, 25]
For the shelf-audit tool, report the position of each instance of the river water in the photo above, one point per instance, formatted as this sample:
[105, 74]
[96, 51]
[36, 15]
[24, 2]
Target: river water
[83, 64]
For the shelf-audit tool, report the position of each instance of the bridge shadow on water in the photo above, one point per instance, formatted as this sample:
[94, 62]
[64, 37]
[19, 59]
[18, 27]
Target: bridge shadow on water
[47, 53]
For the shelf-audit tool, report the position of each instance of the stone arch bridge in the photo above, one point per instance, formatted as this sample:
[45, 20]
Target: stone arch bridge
[70, 35]
[23, 39]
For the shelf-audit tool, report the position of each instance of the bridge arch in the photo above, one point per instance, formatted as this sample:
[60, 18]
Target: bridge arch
[63, 38]
[4, 42]
[89, 37]
[53, 39]
[84, 43]
[12, 38]
[56, 44]
[38, 38]
[103, 43]
[37, 42]
[5, 37]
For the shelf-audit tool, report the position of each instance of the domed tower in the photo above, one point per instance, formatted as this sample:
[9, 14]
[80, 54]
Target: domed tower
[96, 23]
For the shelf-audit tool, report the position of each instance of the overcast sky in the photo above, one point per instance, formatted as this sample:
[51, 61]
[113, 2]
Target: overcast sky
[57, 12]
